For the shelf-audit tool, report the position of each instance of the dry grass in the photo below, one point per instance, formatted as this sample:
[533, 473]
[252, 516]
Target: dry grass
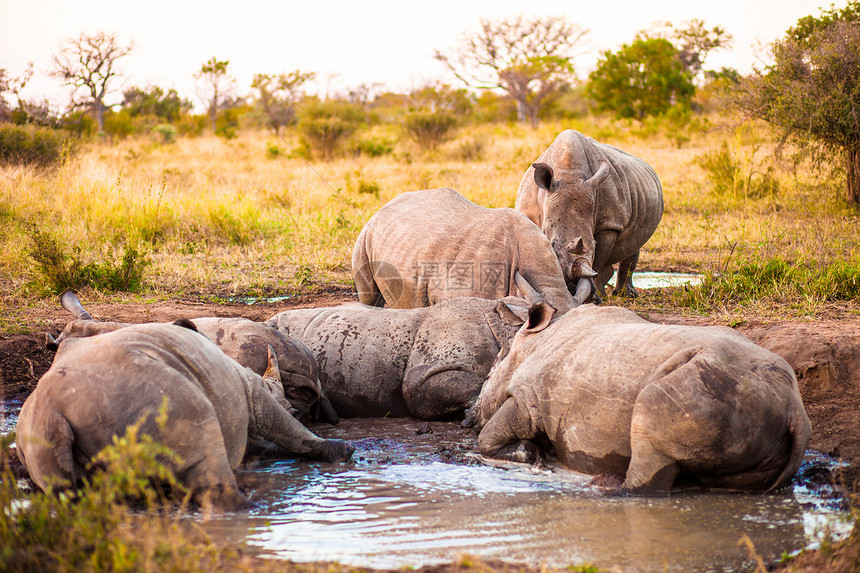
[234, 218]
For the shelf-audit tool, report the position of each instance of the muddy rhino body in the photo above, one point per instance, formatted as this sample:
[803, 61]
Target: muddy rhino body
[426, 246]
[597, 205]
[615, 394]
[243, 340]
[428, 363]
[98, 386]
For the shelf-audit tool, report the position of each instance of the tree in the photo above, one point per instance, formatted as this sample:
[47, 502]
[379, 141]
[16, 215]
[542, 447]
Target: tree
[529, 59]
[153, 101]
[644, 78]
[87, 63]
[217, 86]
[694, 42]
[277, 96]
[811, 92]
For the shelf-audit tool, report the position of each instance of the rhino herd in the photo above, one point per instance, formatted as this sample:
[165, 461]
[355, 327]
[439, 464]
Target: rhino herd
[486, 321]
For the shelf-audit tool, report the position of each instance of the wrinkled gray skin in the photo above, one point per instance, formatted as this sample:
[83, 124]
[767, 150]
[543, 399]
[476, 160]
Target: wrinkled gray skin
[426, 246]
[241, 339]
[597, 205]
[649, 403]
[426, 363]
[98, 386]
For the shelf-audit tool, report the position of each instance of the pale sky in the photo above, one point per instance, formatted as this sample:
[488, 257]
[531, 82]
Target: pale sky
[346, 43]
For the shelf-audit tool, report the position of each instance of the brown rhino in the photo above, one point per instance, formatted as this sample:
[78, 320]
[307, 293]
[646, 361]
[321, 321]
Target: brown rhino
[597, 205]
[243, 340]
[428, 363]
[98, 386]
[426, 246]
[652, 404]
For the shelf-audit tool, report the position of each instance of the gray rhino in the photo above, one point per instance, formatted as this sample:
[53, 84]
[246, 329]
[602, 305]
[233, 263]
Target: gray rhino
[597, 205]
[647, 403]
[427, 246]
[98, 386]
[243, 340]
[426, 362]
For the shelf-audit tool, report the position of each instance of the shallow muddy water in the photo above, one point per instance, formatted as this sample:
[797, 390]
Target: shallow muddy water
[411, 499]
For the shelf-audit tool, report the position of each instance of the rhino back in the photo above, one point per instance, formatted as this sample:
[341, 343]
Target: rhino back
[444, 246]
[100, 385]
[362, 354]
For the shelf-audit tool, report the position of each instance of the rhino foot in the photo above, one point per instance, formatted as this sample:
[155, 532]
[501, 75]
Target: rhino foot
[336, 451]
[523, 451]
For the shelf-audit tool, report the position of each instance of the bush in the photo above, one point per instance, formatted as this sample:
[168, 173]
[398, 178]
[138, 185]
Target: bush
[325, 126]
[430, 129]
[733, 175]
[372, 147]
[60, 269]
[31, 145]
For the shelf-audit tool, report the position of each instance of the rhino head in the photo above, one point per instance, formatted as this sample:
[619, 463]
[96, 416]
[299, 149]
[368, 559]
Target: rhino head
[569, 218]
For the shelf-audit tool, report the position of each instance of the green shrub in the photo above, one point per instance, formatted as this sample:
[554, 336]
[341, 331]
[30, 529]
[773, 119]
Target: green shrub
[430, 129]
[166, 131]
[372, 147]
[325, 126]
[472, 149]
[730, 174]
[25, 144]
[59, 269]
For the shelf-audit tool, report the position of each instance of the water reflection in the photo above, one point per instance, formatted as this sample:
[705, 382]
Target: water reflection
[415, 500]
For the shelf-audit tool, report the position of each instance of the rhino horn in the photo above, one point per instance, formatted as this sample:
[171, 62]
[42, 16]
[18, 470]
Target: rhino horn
[583, 290]
[600, 175]
[585, 270]
[526, 290]
[272, 369]
[576, 246]
[71, 303]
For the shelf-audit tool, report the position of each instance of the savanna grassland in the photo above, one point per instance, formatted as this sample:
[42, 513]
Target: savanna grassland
[210, 217]
[139, 221]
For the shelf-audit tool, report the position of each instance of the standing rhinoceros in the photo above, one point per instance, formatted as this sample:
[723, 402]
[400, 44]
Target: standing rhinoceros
[427, 362]
[427, 246]
[651, 403]
[241, 339]
[597, 205]
[98, 386]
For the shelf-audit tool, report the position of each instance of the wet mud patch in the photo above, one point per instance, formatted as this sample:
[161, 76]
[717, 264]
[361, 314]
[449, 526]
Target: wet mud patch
[417, 495]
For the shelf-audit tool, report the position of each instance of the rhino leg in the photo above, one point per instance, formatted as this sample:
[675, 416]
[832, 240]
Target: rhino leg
[210, 479]
[507, 436]
[270, 421]
[431, 394]
[624, 282]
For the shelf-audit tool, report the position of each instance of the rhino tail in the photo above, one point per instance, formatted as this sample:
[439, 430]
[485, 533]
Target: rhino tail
[61, 437]
[798, 427]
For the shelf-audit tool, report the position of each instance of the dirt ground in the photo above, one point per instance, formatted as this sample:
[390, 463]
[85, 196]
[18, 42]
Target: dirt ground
[825, 355]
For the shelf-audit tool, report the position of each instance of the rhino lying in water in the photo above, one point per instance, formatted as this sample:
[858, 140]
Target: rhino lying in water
[429, 362]
[427, 246]
[243, 340]
[597, 205]
[615, 394]
[98, 386]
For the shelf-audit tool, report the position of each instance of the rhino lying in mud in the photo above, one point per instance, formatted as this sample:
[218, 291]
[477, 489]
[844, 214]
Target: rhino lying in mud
[98, 386]
[427, 246]
[615, 394]
[597, 205]
[243, 340]
[428, 363]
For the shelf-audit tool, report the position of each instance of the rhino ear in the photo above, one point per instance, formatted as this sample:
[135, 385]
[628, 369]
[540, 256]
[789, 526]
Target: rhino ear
[273, 370]
[540, 315]
[512, 314]
[543, 177]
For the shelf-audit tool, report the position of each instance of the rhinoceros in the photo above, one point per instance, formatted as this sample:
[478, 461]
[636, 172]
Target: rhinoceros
[98, 386]
[243, 340]
[597, 205]
[427, 246]
[425, 362]
[647, 403]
